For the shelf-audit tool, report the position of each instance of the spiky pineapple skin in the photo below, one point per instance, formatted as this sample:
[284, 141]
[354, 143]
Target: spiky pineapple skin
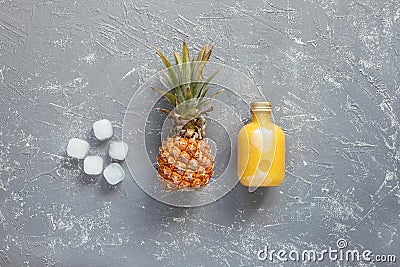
[185, 159]
[185, 163]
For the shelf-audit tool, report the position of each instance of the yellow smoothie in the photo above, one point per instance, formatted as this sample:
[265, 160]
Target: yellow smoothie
[261, 149]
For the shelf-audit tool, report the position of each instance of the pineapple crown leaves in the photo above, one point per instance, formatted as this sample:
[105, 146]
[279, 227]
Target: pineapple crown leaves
[185, 78]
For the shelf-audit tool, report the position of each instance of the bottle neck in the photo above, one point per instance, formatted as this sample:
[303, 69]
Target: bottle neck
[261, 117]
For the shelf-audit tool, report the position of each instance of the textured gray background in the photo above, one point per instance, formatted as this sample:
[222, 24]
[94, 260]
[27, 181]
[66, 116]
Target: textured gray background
[330, 67]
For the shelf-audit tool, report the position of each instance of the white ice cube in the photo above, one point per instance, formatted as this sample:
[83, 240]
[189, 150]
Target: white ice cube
[118, 150]
[93, 165]
[77, 148]
[103, 129]
[114, 173]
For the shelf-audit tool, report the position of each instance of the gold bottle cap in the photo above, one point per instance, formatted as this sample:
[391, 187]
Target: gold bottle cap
[261, 106]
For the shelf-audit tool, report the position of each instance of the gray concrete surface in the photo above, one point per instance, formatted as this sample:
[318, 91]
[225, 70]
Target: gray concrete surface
[331, 68]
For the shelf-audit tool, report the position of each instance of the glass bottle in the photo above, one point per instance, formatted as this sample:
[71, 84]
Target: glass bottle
[261, 149]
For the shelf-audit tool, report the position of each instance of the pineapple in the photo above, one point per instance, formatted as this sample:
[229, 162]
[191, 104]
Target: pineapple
[185, 158]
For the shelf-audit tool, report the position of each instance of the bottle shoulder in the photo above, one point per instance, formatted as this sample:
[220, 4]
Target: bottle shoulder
[278, 128]
[249, 127]
[254, 125]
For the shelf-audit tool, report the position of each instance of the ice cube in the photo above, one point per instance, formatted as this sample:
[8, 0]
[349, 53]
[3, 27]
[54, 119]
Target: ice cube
[77, 148]
[114, 173]
[118, 150]
[93, 165]
[103, 129]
